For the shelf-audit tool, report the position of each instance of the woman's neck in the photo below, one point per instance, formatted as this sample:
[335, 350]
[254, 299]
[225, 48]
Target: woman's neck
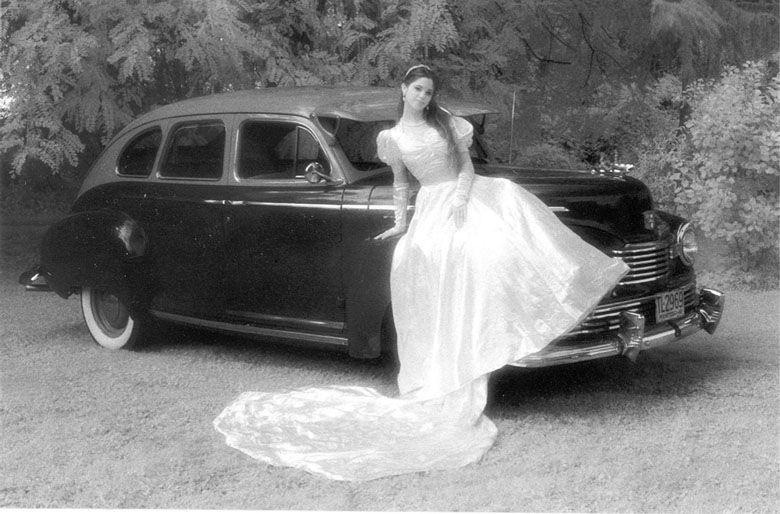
[412, 120]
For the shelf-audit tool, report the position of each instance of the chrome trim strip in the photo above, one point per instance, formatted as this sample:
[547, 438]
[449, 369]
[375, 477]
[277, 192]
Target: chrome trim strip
[390, 208]
[648, 262]
[565, 356]
[610, 310]
[411, 208]
[267, 318]
[340, 342]
[325, 206]
[643, 247]
[640, 281]
[642, 271]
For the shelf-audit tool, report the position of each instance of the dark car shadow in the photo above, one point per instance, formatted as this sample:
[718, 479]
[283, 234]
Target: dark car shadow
[264, 352]
[657, 375]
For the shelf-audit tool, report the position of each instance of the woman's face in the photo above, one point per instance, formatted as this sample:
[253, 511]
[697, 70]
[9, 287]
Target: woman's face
[418, 94]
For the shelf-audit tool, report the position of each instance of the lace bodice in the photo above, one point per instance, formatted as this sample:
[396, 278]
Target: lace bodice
[423, 151]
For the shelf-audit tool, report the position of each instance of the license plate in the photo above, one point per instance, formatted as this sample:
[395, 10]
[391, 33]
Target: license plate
[670, 305]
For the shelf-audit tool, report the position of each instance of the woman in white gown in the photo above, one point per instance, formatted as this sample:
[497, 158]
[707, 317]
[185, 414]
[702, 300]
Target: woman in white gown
[484, 275]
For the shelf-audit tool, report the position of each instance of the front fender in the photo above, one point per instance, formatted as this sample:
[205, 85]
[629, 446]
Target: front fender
[104, 248]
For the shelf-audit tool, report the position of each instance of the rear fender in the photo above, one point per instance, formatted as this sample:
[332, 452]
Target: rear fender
[104, 249]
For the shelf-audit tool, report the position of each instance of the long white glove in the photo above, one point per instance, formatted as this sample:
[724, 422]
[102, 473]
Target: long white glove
[400, 202]
[462, 190]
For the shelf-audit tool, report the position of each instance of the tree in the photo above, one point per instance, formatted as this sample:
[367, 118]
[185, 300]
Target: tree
[76, 67]
[76, 71]
[696, 38]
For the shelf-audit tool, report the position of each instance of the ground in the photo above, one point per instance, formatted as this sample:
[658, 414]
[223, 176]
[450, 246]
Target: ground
[687, 428]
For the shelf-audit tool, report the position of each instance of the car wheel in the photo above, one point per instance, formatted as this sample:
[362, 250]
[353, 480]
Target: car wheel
[108, 319]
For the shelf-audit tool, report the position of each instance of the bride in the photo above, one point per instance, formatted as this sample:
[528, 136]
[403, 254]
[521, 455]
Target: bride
[482, 276]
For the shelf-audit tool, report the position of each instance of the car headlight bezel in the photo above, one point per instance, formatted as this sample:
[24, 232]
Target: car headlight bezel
[687, 244]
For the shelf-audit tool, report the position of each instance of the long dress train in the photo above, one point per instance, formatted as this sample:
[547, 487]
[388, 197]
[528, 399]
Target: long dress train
[466, 301]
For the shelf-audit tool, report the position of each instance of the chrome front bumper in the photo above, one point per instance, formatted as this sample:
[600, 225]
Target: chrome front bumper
[632, 337]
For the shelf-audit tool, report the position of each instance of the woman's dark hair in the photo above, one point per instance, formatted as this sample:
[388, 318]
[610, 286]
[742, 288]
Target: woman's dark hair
[434, 114]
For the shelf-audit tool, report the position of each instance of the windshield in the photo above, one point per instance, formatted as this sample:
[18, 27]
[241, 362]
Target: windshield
[358, 141]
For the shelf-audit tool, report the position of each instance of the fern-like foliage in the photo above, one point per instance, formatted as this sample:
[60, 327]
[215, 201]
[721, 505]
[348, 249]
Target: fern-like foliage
[42, 61]
[73, 71]
[78, 67]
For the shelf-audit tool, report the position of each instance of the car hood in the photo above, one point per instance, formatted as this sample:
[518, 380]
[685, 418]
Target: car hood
[598, 206]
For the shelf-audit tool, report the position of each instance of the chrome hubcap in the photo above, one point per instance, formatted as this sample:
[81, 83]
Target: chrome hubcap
[110, 313]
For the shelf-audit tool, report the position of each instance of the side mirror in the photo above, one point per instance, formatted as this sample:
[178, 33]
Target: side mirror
[315, 173]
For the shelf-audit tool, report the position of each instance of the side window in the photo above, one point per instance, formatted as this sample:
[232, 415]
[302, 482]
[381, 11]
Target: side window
[137, 159]
[276, 150]
[195, 150]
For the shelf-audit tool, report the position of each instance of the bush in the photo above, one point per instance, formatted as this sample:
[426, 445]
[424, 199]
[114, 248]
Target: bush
[724, 166]
[614, 122]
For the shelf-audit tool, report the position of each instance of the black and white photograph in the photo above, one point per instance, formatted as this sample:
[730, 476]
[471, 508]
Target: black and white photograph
[390, 255]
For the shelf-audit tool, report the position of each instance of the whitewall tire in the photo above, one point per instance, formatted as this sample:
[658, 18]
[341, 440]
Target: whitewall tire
[108, 319]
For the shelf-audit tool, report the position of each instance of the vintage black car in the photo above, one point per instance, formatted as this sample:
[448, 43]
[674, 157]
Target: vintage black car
[254, 213]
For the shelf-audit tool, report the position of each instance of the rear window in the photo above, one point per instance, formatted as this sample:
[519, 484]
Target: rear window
[196, 151]
[137, 159]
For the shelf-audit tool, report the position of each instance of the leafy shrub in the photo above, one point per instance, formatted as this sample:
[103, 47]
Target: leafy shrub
[731, 180]
[613, 123]
[722, 170]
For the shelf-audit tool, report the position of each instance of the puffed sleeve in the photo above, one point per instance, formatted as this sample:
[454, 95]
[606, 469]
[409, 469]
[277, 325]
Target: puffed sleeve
[387, 149]
[462, 132]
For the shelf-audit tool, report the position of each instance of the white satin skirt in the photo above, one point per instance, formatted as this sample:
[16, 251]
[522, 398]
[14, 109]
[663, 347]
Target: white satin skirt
[466, 301]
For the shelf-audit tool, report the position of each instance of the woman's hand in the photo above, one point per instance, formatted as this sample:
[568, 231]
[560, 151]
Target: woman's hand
[396, 230]
[458, 213]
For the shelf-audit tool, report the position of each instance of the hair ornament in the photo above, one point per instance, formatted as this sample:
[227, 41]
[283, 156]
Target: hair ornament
[415, 67]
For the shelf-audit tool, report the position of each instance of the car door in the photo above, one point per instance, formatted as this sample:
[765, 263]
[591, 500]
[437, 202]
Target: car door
[283, 233]
[182, 216]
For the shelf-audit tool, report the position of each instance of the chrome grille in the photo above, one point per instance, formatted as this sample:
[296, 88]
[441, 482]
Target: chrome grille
[648, 261]
[606, 317]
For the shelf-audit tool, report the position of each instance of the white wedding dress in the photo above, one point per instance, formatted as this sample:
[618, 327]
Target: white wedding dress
[466, 301]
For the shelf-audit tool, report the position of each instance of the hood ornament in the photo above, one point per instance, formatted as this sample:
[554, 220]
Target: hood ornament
[612, 169]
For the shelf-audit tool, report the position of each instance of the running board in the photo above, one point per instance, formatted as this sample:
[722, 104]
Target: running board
[253, 330]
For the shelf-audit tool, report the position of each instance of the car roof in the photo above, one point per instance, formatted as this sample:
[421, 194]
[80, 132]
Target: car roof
[351, 102]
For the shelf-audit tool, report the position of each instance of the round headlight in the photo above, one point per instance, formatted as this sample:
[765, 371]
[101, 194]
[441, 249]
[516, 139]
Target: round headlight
[686, 242]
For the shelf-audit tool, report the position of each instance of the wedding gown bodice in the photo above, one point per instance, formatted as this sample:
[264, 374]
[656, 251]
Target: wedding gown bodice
[423, 151]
